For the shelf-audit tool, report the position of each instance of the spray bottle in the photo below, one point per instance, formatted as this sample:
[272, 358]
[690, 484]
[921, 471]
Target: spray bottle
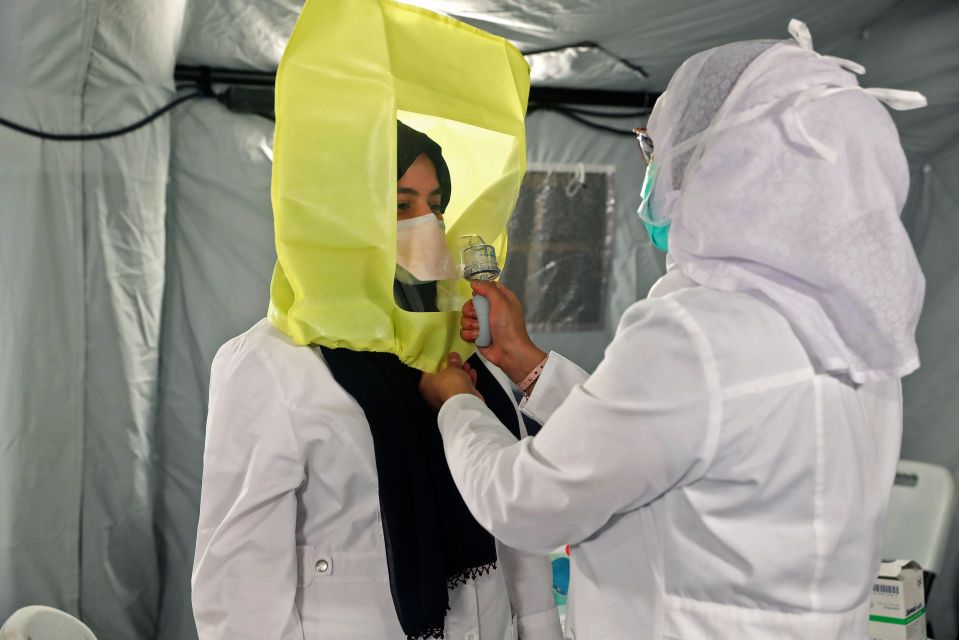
[479, 263]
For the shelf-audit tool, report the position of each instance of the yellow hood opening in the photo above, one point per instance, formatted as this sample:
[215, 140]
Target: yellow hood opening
[351, 69]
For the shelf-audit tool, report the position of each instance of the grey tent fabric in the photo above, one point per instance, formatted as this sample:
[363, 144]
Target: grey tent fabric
[220, 258]
[238, 34]
[635, 263]
[103, 395]
[41, 291]
[83, 283]
[657, 36]
[124, 206]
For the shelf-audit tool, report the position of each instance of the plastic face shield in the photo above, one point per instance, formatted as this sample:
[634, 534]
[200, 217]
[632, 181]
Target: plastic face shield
[351, 69]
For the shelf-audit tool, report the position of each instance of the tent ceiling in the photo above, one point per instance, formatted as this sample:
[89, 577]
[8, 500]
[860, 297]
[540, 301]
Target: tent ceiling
[656, 36]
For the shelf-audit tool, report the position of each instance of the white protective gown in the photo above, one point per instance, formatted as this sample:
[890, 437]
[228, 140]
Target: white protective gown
[712, 485]
[290, 541]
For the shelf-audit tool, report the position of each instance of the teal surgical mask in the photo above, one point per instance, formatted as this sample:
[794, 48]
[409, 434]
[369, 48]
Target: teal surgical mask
[658, 230]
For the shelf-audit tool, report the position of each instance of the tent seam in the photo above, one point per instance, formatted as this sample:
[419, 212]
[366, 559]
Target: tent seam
[91, 20]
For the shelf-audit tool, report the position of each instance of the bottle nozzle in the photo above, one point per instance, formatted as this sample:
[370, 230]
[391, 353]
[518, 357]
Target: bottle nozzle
[479, 260]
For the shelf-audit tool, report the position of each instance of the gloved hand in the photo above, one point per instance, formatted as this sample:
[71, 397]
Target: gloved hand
[512, 349]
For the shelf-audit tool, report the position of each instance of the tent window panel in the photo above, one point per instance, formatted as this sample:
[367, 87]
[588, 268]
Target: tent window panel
[560, 246]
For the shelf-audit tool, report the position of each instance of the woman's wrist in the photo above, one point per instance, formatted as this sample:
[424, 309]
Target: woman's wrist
[526, 386]
[521, 363]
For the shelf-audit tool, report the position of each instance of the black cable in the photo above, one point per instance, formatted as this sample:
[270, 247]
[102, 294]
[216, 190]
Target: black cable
[563, 111]
[623, 115]
[203, 78]
[80, 137]
[592, 98]
[589, 44]
[596, 125]
[233, 77]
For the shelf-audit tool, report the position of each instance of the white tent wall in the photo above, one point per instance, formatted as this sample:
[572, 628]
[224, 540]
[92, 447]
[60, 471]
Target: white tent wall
[83, 285]
[219, 261]
[41, 291]
[238, 34]
[556, 140]
[657, 36]
[84, 469]
[220, 257]
[124, 204]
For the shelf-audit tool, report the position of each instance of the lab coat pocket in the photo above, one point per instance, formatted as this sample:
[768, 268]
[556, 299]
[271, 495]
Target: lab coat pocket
[318, 565]
[346, 594]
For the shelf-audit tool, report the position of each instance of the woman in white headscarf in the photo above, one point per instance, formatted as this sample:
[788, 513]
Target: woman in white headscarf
[725, 471]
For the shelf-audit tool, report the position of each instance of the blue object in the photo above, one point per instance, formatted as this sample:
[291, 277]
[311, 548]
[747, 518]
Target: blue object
[659, 236]
[658, 230]
[560, 579]
[481, 304]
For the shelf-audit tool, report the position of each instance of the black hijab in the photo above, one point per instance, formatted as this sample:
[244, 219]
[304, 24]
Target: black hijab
[433, 543]
[410, 144]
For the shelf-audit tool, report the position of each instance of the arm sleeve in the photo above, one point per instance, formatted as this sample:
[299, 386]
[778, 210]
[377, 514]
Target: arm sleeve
[245, 571]
[528, 576]
[556, 382]
[645, 422]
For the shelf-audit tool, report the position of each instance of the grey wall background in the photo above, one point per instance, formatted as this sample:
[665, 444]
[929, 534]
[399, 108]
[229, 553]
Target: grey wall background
[124, 264]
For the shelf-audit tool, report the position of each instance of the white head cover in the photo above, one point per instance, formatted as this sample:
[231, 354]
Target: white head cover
[783, 178]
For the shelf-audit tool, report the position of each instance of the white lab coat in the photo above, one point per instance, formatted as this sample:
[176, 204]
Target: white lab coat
[290, 541]
[711, 484]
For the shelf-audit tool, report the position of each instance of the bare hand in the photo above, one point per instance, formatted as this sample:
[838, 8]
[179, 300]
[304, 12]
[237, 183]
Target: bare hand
[457, 378]
[511, 350]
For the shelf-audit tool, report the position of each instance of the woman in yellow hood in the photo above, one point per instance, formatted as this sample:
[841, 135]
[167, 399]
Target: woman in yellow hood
[328, 510]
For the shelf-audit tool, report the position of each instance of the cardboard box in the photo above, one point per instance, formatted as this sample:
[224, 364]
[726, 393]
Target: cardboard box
[898, 607]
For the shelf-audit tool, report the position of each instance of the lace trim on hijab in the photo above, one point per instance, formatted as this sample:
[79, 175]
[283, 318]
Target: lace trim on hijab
[469, 574]
[438, 633]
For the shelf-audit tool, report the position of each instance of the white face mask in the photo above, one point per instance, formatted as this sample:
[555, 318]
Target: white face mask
[421, 249]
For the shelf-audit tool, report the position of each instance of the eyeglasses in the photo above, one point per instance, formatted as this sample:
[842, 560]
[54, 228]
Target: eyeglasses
[645, 145]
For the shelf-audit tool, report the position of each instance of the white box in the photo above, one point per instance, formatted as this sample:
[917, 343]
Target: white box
[898, 607]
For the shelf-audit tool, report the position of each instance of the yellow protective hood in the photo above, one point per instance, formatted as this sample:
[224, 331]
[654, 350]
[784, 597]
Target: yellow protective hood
[349, 71]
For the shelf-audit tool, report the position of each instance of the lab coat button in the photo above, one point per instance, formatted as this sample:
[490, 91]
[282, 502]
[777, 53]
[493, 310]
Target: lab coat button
[322, 566]
[471, 635]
